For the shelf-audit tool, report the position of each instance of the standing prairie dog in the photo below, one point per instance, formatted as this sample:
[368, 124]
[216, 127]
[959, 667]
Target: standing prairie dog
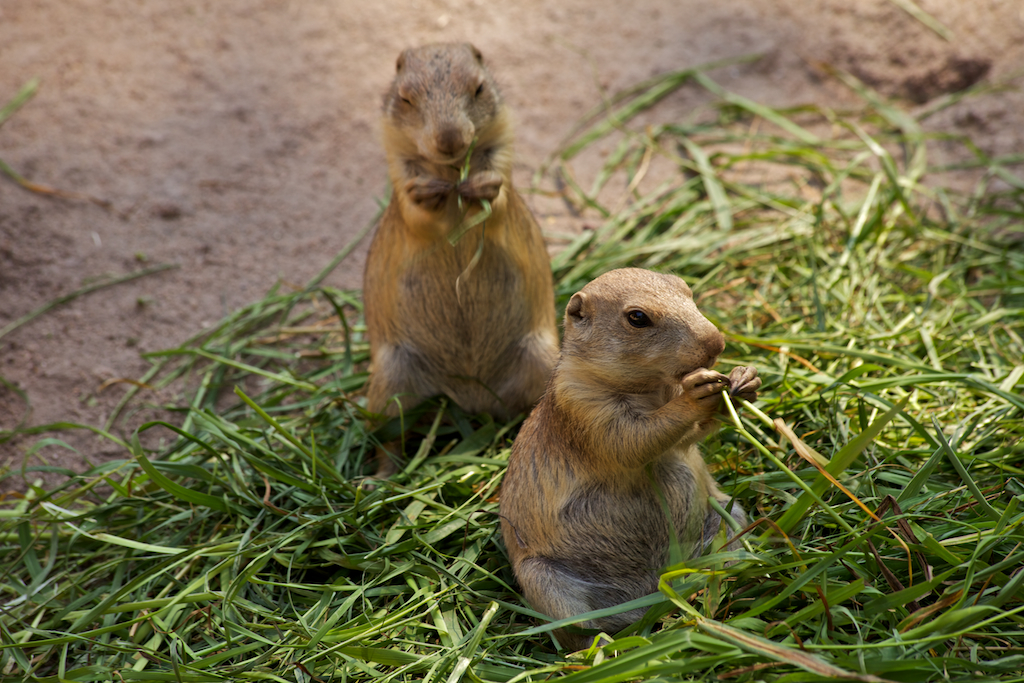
[483, 335]
[611, 443]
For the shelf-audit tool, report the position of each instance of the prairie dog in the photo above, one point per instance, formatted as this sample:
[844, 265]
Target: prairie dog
[485, 336]
[617, 429]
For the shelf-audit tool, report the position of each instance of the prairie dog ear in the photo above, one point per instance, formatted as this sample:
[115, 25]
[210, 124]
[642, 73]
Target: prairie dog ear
[476, 53]
[577, 308]
[401, 61]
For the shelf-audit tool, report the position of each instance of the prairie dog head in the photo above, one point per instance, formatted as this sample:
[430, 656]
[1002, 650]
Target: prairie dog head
[637, 331]
[441, 99]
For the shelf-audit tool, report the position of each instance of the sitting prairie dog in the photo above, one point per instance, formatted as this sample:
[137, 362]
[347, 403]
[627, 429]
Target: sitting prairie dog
[631, 395]
[483, 335]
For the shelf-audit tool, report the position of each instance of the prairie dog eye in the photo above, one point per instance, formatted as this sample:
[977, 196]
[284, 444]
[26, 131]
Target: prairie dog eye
[638, 318]
[479, 90]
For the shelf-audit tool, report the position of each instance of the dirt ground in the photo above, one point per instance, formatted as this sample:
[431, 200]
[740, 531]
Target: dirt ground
[239, 141]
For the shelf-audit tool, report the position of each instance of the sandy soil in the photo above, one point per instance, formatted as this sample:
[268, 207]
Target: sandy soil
[239, 140]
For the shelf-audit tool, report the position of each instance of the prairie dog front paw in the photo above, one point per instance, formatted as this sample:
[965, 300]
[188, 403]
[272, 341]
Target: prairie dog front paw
[702, 389]
[430, 193]
[482, 185]
[744, 383]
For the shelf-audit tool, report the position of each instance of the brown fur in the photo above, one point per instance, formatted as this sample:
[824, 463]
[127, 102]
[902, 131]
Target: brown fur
[488, 339]
[616, 430]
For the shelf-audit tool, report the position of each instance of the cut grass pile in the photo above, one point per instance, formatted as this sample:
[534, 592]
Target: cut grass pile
[882, 465]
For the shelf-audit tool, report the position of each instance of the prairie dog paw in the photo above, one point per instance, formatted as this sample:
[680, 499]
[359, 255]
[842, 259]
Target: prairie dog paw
[482, 185]
[744, 383]
[703, 384]
[430, 193]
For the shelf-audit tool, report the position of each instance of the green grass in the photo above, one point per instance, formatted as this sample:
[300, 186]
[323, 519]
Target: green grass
[884, 311]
